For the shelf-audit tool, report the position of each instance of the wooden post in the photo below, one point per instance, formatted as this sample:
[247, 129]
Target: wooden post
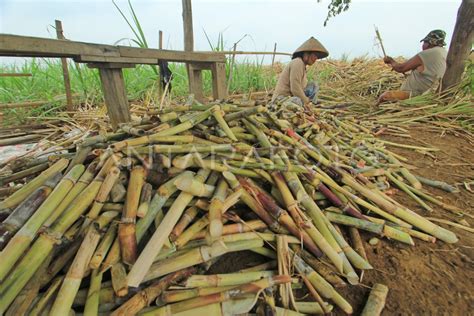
[231, 68]
[274, 51]
[194, 74]
[160, 46]
[67, 81]
[115, 95]
[218, 81]
[188, 26]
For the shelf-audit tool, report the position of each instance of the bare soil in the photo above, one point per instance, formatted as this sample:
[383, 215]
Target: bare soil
[426, 279]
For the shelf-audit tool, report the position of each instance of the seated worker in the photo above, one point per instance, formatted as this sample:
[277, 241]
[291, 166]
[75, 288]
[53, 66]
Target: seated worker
[293, 82]
[427, 68]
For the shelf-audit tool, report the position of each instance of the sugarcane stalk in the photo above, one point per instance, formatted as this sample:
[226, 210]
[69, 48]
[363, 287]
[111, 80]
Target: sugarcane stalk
[17, 197]
[197, 256]
[23, 238]
[45, 243]
[23, 174]
[236, 229]
[102, 195]
[25, 298]
[78, 187]
[145, 297]
[280, 214]
[437, 184]
[103, 247]
[196, 188]
[315, 295]
[127, 228]
[219, 116]
[228, 279]
[188, 216]
[91, 307]
[61, 261]
[326, 272]
[173, 296]
[283, 269]
[216, 209]
[154, 245]
[292, 206]
[159, 199]
[253, 287]
[405, 189]
[145, 199]
[403, 213]
[25, 210]
[76, 272]
[376, 301]
[46, 297]
[313, 308]
[119, 279]
[321, 285]
[252, 203]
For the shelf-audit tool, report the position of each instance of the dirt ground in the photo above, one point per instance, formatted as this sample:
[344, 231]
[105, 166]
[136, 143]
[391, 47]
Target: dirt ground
[426, 279]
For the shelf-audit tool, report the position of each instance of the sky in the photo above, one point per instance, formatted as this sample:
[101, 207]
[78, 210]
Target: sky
[288, 23]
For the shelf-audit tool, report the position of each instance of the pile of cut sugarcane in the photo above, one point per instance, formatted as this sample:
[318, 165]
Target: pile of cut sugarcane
[133, 220]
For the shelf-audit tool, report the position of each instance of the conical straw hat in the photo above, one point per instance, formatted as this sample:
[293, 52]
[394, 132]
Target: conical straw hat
[312, 45]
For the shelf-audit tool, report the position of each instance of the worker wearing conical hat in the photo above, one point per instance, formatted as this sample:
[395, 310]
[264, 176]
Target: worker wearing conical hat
[426, 68]
[293, 81]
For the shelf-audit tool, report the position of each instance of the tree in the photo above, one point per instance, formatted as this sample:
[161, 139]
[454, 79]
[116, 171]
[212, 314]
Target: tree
[461, 45]
[461, 41]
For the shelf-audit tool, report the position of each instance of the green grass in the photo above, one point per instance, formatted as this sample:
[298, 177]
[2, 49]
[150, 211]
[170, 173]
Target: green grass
[46, 84]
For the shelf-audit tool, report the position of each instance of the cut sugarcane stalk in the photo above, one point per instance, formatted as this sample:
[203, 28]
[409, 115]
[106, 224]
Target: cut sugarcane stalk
[153, 247]
[127, 228]
[376, 301]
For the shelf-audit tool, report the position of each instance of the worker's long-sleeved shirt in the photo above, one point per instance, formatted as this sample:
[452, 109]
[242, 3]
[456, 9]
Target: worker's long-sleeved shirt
[292, 81]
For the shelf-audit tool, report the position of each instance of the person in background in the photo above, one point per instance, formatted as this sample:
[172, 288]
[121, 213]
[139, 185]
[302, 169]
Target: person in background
[293, 83]
[427, 68]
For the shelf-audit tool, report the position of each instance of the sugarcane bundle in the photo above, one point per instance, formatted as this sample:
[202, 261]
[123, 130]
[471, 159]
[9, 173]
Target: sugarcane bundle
[143, 213]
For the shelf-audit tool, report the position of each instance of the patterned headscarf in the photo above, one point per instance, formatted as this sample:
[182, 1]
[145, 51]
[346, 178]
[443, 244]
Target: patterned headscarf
[435, 38]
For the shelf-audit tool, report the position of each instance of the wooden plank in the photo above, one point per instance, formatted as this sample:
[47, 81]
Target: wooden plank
[15, 75]
[115, 95]
[22, 104]
[26, 46]
[219, 88]
[201, 66]
[110, 65]
[107, 59]
[67, 81]
[170, 55]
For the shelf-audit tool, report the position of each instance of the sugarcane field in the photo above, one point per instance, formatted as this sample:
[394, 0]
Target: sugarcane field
[236, 158]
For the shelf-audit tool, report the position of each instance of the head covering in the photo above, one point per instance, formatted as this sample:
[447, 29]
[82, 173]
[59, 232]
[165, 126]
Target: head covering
[311, 45]
[435, 38]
